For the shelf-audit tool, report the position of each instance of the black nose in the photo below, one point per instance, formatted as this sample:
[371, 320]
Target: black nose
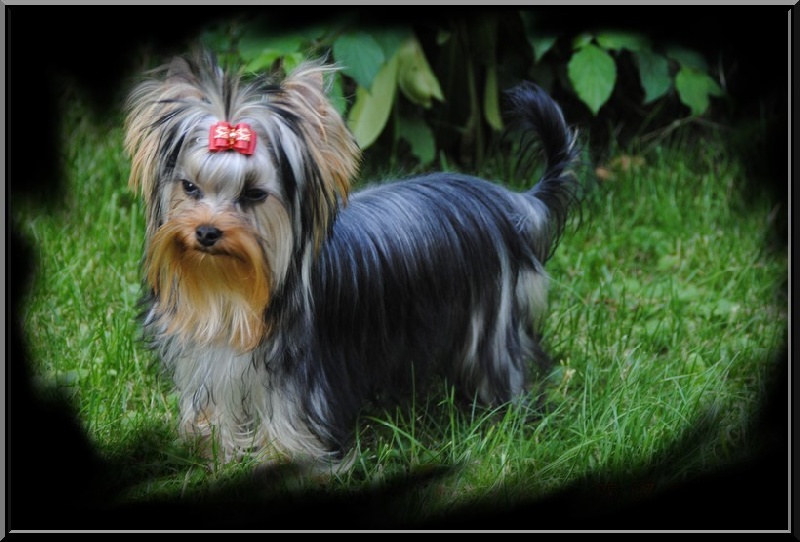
[208, 235]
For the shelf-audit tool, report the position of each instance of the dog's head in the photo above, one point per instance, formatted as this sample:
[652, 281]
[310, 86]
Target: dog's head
[241, 177]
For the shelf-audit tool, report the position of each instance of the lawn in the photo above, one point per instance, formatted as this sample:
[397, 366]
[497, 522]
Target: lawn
[668, 305]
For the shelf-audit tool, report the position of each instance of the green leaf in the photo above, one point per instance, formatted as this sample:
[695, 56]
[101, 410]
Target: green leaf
[360, 57]
[582, 40]
[655, 326]
[420, 136]
[390, 39]
[653, 75]
[371, 108]
[694, 89]
[262, 61]
[688, 58]
[251, 46]
[540, 41]
[415, 78]
[688, 293]
[668, 262]
[541, 45]
[491, 99]
[260, 52]
[726, 308]
[695, 363]
[614, 41]
[292, 60]
[71, 378]
[336, 94]
[713, 87]
[593, 74]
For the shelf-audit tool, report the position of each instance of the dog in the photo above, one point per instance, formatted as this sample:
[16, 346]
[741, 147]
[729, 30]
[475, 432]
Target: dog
[282, 303]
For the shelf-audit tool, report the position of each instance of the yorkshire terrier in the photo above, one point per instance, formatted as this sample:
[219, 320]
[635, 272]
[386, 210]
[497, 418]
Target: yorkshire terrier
[282, 304]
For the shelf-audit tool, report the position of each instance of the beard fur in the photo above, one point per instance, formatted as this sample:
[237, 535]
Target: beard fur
[207, 298]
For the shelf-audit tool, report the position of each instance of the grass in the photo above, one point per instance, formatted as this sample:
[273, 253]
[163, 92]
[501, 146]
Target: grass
[666, 309]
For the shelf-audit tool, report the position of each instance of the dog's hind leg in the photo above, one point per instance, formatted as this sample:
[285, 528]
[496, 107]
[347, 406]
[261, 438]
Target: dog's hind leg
[500, 341]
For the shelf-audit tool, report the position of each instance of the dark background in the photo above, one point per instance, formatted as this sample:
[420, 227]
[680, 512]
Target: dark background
[54, 478]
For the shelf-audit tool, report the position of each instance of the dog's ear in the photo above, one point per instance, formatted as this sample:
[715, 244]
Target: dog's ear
[305, 86]
[153, 131]
[308, 84]
[332, 145]
[181, 80]
[178, 67]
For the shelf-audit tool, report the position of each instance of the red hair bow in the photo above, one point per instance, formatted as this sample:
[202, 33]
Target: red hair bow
[224, 137]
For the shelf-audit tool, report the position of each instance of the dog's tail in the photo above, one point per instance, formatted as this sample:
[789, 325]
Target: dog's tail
[535, 113]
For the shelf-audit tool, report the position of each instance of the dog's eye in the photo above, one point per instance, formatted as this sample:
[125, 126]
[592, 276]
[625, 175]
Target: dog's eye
[191, 189]
[253, 195]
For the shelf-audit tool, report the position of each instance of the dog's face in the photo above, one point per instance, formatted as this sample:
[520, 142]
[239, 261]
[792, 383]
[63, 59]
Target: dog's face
[224, 227]
[224, 242]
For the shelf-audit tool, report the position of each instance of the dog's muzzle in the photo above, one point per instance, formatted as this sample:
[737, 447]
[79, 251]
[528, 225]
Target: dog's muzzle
[208, 235]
